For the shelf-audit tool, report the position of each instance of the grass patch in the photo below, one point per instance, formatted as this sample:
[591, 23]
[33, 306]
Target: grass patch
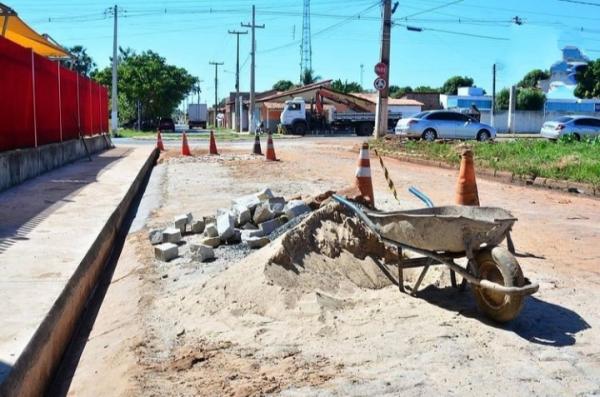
[565, 159]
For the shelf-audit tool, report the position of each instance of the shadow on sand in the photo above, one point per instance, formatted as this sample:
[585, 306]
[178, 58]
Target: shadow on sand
[539, 322]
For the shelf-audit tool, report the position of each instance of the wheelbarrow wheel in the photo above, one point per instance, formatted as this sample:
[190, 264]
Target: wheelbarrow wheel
[499, 266]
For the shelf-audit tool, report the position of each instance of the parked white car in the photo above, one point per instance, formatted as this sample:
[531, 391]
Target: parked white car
[578, 126]
[444, 124]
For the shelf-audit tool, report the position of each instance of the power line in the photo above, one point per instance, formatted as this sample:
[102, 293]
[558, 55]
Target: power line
[587, 3]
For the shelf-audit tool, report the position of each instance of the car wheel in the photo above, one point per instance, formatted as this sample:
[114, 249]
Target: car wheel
[429, 135]
[577, 137]
[483, 136]
[300, 129]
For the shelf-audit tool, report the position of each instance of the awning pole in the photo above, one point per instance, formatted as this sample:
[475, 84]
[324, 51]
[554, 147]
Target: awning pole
[5, 24]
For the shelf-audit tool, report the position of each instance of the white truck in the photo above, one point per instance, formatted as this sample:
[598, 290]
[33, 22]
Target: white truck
[296, 119]
[197, 115]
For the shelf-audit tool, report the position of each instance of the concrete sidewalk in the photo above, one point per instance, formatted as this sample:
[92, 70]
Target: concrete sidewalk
[47, 225]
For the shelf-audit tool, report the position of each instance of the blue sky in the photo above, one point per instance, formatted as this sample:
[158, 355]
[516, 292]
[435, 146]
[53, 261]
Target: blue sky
[345, 35]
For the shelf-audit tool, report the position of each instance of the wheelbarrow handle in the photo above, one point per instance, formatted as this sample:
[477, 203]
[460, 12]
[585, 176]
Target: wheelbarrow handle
[421, 196]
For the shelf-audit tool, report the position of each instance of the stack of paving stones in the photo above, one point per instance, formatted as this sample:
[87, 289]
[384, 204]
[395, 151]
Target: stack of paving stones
[250, 220]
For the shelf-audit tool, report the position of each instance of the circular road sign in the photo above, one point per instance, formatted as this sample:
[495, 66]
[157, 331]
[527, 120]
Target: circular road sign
[380, 69]
[379, 84]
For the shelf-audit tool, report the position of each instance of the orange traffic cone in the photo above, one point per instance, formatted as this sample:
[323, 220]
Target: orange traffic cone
[270, 149]
[257, 149]
[185, 149]
[159, 142]
[466, 187]
[363, 176]
[213, 143]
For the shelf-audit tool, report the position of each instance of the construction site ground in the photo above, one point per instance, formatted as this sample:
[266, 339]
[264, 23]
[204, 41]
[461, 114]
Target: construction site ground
[215, 329]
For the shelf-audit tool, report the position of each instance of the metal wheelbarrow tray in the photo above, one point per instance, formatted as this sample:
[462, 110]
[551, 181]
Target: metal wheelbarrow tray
[442, 234]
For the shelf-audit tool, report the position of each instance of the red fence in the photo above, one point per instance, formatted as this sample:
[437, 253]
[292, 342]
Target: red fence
[42, 102]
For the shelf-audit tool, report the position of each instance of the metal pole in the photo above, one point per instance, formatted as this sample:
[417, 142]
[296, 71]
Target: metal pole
[238, 116]
[493, 110]
[381, 112]
[216, 87]
[115, 111]
[252, 66]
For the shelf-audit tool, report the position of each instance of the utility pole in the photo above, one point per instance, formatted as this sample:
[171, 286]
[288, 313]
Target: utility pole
[493, 109]
[253, 26]
[362, 69]
[381, 112]
[217, 64]
[115, 111]
[238, 102]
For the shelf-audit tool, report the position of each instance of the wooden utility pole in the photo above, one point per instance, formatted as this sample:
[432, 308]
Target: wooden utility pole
[493, 109]
[238, 102]
[115, 104]
[217, 64]
[381, 112]
[253, 26]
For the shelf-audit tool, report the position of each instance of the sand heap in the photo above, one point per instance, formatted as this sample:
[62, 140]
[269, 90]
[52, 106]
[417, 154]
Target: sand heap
[329, 254]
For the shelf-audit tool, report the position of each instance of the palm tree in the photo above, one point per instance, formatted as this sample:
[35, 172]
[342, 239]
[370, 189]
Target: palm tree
[308, 77]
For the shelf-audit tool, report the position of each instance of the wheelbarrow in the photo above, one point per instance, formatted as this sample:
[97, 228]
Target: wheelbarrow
[441, 235]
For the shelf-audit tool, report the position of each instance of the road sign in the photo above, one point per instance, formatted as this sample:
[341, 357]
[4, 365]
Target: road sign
[379, 84]
[380, 69]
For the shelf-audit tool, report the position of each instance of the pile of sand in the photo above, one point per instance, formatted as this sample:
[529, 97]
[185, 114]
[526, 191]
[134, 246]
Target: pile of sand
[330, 255]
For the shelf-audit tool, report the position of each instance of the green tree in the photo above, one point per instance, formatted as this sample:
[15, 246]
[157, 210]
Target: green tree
[502, 99]
[147, 78]
[308, 77]
[588, 81]
[399, 92]
[451, 85]
[345, 86]
[531, 79]
[81, 62]
[530, 99]
[527, 99]
[425, 88]
[283, 85]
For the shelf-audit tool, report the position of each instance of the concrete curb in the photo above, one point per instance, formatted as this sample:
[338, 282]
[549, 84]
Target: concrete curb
[507, 177]
[36, 365]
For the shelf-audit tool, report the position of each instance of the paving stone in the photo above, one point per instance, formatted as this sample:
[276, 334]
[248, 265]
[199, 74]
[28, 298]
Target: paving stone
[243, 215]
[250, 201]
[197, 227]
[265, 194]
[263, 213]
[225, 225]
[295, 208]
[202, 252]
[257, 242]
[269, 226]
[171, 235]
[249, 226]
[236, 238]
[246, 234]
[211, 230]
[155, 236]
[165, 252]
[190, 218]
[180, 222]
[211, 241]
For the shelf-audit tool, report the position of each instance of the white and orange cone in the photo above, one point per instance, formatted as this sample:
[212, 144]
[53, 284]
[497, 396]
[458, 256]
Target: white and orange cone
[466, 186]
[212, 146]
[363, 182]
[159, 142]
[270, 149]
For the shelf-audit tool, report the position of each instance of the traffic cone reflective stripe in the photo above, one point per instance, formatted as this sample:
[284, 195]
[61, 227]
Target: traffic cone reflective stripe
[364, 183]
[257, 149]
[213, 144]
[270, 149]
[185, 149]
[466, 187]
[159, 142]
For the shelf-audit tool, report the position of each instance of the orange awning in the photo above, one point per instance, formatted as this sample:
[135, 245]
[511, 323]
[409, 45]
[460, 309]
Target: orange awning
[17, 31]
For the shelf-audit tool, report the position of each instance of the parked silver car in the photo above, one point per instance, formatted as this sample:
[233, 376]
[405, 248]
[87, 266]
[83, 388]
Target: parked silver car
[444, 124]
[578, 126]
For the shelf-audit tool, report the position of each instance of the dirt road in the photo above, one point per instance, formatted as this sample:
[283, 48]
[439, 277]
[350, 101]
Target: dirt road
[223, 329]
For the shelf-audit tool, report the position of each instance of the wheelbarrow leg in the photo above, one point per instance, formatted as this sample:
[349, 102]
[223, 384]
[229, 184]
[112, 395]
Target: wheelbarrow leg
[420, 279]
[400, 278]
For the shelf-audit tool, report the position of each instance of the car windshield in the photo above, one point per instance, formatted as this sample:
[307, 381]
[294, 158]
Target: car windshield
[564, 119]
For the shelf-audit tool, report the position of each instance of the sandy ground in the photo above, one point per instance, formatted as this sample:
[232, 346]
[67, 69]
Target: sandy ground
[241, 327]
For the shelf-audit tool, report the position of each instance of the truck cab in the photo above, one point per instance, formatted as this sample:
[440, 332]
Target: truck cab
[293, 116]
